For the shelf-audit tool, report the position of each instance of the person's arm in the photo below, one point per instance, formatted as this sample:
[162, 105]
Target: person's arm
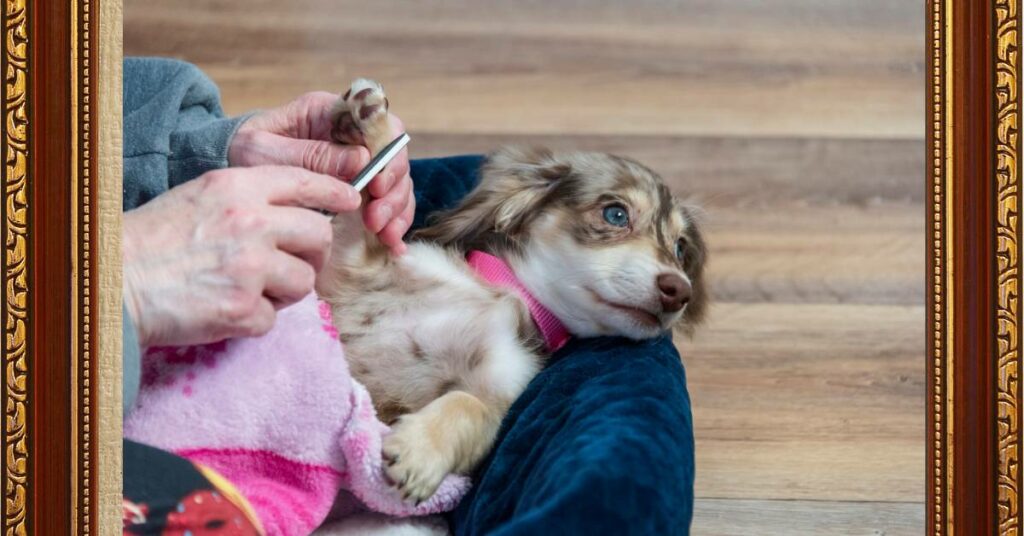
[174, 127]
[175, 131]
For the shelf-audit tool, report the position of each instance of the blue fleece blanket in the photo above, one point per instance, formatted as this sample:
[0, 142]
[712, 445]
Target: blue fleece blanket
[601, 442]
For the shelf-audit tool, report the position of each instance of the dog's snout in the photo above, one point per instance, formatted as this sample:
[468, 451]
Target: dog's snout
[675, 292]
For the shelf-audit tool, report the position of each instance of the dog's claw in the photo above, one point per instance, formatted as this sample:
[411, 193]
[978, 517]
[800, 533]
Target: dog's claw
[416, 467]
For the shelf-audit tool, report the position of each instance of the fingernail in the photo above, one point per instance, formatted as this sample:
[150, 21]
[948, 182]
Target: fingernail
[385, 213]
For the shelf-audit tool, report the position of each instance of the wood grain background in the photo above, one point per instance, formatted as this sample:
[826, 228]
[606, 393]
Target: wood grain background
[798, 124]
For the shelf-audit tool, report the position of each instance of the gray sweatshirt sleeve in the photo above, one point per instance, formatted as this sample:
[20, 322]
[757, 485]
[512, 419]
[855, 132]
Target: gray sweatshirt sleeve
[174, 127]
[174, 131]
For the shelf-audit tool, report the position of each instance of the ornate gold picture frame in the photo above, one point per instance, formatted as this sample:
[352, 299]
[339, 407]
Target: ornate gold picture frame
[974, 355]
[61, 270]
[61, 267]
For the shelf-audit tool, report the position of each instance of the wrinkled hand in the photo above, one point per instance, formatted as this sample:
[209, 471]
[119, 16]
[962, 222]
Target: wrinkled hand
[215, 257]
[299, 134]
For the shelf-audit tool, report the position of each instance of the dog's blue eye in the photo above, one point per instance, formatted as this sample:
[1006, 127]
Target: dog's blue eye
[680, 248]
[616, 215]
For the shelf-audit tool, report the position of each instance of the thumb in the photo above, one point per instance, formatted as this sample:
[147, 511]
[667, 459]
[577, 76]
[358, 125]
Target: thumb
[318, 156]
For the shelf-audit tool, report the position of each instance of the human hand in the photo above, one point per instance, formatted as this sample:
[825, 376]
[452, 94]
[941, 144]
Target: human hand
[213, 258]
[299, 134]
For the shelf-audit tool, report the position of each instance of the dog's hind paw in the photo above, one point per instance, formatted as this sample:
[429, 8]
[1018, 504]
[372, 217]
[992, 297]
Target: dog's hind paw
[411, 463]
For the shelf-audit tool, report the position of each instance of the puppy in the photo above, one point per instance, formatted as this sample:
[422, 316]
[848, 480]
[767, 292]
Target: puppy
[585, 243]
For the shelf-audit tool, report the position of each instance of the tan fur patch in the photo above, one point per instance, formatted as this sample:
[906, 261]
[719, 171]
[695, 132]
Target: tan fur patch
[472, 421]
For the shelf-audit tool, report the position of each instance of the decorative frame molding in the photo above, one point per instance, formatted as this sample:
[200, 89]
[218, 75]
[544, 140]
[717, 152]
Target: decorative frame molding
[1008, 275]
[53, 347]
[974, 273]
[939, 399]
[83, 168]
[15, 270]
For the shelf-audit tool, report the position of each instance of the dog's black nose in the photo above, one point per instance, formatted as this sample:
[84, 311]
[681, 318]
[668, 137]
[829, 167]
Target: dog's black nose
[675, 292]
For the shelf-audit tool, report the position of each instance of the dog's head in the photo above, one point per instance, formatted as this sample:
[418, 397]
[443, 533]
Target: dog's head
[598, 239]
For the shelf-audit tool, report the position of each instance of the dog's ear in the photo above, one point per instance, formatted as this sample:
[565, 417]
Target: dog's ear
[694, 262]
[515, 183]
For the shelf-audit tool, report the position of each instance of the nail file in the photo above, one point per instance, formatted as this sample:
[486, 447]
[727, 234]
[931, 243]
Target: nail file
[377, 164]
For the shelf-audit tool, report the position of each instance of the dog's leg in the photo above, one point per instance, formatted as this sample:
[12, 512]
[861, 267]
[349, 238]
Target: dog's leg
[360, 117]
[451, 434]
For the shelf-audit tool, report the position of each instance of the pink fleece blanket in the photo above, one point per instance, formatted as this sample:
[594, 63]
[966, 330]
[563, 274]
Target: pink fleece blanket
[281, 418]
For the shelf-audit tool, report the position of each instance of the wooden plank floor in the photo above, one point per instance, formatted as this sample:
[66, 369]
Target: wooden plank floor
[797, 124]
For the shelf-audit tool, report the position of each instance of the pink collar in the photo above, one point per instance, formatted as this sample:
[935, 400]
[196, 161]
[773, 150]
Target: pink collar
[498, 273]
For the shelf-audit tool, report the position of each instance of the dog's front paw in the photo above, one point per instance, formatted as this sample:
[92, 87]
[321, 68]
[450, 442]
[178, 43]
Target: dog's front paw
[360, 113]
[413, 464]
